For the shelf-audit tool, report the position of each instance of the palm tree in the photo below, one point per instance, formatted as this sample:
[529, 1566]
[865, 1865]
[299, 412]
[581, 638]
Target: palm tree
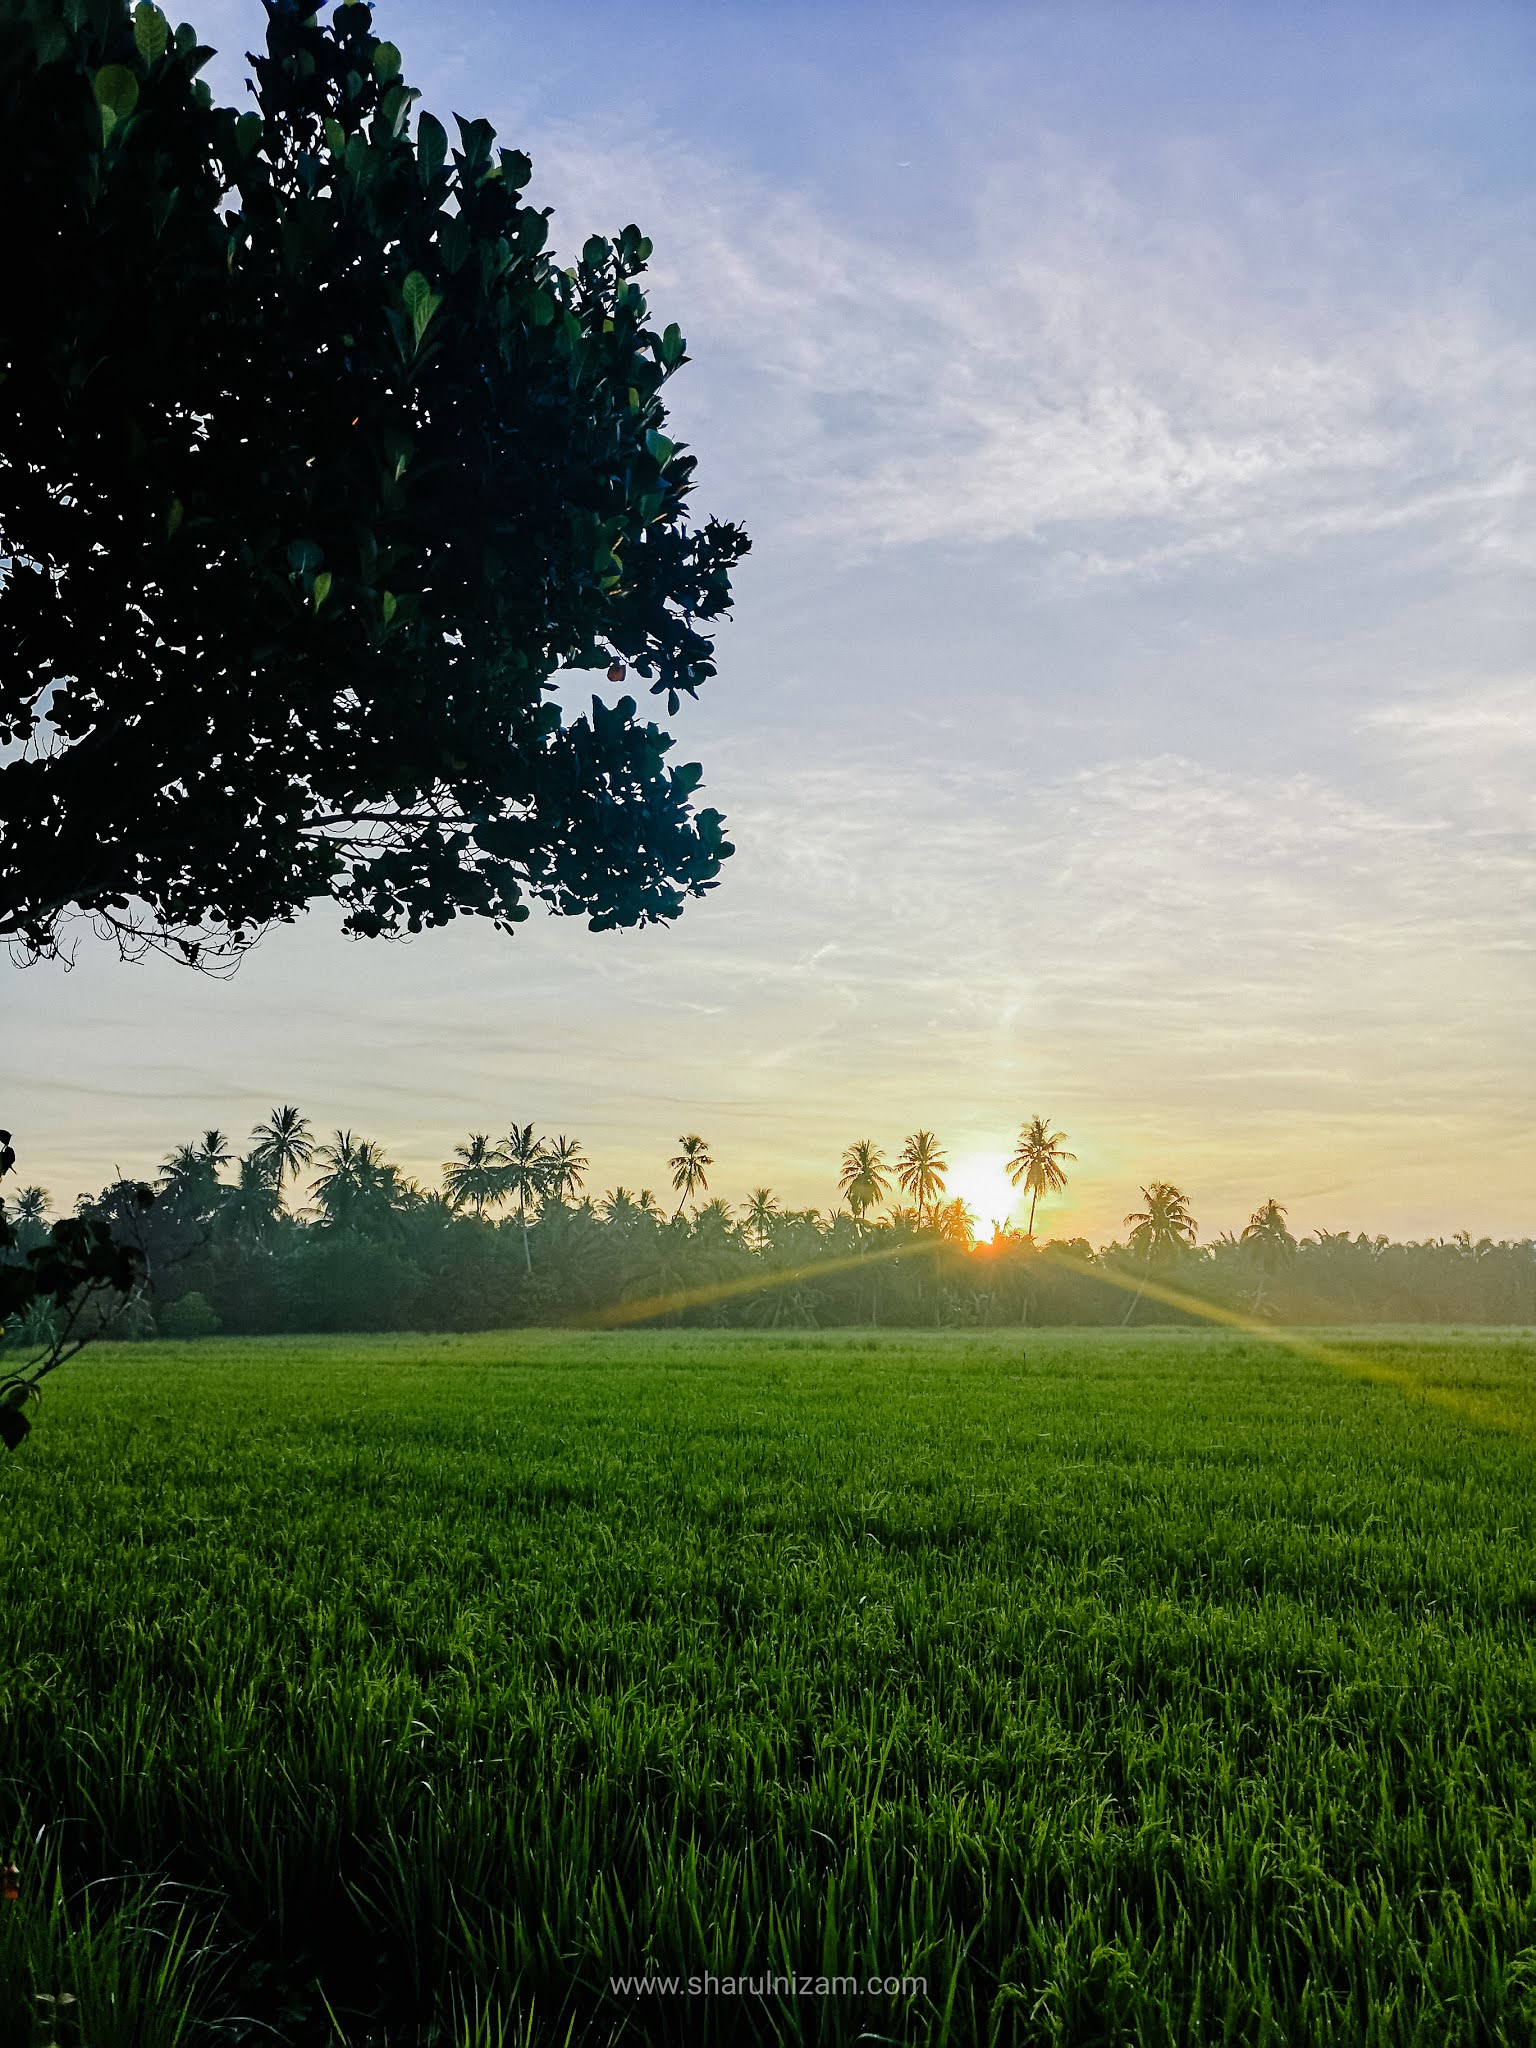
[762, 1207]
[619, 1207]
[956, 1222]
[474, 1174]
[1270, 1242]
[1037, 1163]
[283, 1145]
[566, 1170]
[189, 1177]
[688, 1169]
[31, 1230]
[865, 1178]
[253, 1205]
[713, 1223]
[524, 1174]
[1165, 1227]
[1160, 1231]
[360, 1189]
[921, 1170]
[335, 1188]
[178, 1167]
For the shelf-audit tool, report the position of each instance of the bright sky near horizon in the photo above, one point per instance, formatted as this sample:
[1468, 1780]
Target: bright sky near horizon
[1130, 708]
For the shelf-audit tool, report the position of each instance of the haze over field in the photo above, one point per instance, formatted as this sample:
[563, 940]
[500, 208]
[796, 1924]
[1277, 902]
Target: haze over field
[1128, 711]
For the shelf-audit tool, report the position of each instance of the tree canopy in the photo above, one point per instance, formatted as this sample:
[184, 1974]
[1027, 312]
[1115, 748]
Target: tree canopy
[318, 471]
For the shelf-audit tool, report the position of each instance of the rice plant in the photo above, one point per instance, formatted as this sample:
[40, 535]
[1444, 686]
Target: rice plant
[1142, 1687]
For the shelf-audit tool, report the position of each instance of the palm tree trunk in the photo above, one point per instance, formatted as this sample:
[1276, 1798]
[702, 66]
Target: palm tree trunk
[522, 1217]
[1034, 1196]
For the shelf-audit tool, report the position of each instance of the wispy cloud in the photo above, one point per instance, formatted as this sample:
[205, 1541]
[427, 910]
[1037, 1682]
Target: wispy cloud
[1129, 379]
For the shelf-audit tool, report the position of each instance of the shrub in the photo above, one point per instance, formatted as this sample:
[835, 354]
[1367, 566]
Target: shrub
[192, 1316]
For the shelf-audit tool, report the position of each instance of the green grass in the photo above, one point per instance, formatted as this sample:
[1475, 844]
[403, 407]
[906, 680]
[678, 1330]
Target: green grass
[1129, 1687]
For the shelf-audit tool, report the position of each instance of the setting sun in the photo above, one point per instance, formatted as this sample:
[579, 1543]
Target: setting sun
[980, 1180]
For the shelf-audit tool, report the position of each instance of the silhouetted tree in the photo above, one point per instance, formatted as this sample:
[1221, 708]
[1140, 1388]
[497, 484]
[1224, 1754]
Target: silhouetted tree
[955, 1221]
[864, 1180]
[251, 1209]
[762, 1208]
[316, 469]
[476, 1174]
[524, 1175]
[284, 1146]
[1270, 1242]
[921, 1169]
[1160, 1231]
[1037, 1163]
[690, 1169]
[565, 1169]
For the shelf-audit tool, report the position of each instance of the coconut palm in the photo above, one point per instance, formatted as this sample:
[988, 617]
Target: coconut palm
[179, 1167]
[525, 1175]
[566, 1169]
[360, 1189]
[1269, 1241]
[956, 1222]
[189, 1178]
[335, 1187]
[713, 1225]
[619, 1207]
[689, 1174]
[1036, 1163]
[1160, 1231]
[474, 1175]
[865, 1178]
[284, 1146]
[921, 1170]
[251, 1209]
[31, 1205]
[762, 1208]
[1165, 1227]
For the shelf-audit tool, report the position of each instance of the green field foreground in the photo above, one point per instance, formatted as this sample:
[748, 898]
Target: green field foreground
[1138, 1687]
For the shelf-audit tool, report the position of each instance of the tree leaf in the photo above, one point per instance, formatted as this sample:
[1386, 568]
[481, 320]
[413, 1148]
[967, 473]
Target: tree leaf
[431, 146]
[386, 62]
[322, 588]
[151, 31]
[421, 302]
[116, 90]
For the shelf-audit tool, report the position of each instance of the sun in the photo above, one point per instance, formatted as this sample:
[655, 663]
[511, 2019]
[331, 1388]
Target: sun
[980, 1179]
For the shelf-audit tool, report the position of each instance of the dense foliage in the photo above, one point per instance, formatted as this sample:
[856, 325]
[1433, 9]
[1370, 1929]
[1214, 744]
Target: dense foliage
[372, 1250]
[1154, 1688]
[317, 472]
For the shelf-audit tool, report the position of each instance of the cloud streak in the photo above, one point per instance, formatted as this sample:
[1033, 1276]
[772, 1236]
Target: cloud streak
[1127, 382]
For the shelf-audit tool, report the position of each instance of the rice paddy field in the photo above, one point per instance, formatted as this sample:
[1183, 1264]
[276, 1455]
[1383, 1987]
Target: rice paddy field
[1060, 1687]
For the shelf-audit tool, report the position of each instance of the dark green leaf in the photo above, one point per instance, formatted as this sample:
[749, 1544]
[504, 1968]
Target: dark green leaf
[151, 31]
[431, 146]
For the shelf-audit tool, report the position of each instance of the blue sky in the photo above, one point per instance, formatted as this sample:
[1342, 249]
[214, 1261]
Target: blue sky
[1129, 709]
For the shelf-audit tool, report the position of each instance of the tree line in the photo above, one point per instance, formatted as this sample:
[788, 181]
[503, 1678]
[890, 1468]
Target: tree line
[299, 1233]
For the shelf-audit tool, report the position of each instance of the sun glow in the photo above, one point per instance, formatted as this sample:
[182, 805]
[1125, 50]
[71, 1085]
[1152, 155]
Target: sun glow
[980, 1179]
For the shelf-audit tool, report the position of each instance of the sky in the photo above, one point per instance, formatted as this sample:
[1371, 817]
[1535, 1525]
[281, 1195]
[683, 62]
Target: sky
[1128, 711]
